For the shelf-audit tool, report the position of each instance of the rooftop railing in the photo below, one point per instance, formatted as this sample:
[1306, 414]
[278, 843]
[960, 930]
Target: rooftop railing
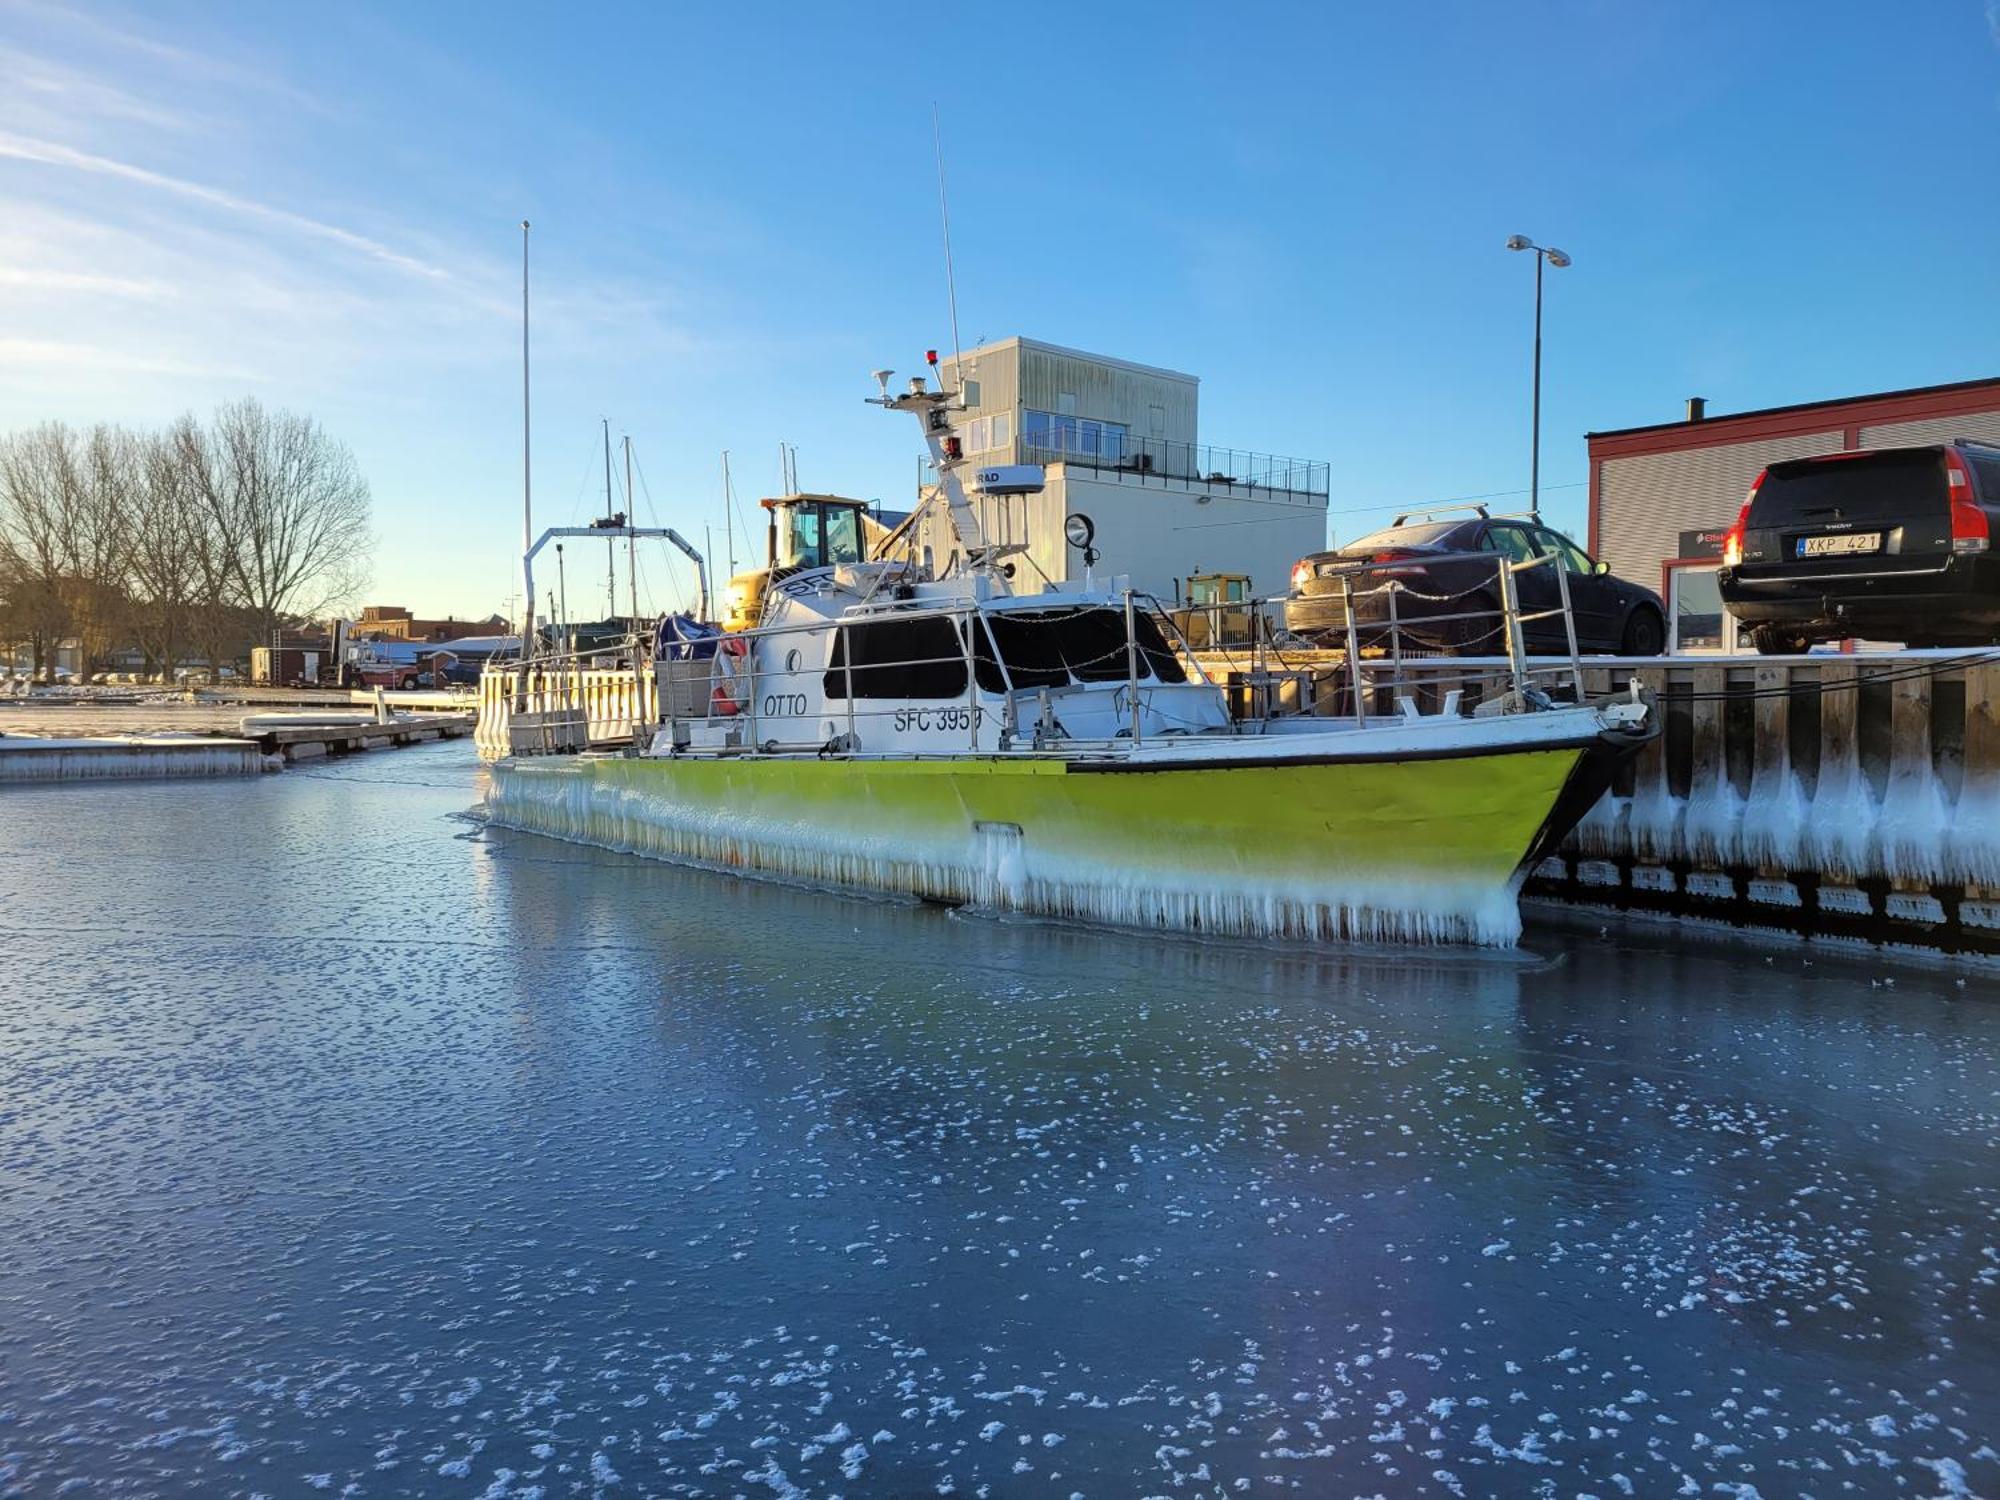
[1183, 465]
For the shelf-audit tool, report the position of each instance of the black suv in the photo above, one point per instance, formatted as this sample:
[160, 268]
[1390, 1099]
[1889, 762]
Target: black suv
[1447, 568]
[1887, 542]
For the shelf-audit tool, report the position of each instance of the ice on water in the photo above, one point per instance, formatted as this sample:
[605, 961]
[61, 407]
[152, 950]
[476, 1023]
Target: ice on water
[432, 1160]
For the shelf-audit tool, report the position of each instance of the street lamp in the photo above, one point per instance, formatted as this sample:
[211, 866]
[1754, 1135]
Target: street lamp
[1557, 259]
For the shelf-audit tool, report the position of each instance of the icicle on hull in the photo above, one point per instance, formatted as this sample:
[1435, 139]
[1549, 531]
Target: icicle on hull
[1414, 851]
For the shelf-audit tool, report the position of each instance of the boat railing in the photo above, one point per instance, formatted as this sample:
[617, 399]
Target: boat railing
[1390, 649]
[1385, 664]
[1391, 646]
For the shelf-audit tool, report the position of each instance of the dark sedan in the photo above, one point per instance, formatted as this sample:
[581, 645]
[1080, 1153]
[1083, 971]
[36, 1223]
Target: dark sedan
[1448, 593]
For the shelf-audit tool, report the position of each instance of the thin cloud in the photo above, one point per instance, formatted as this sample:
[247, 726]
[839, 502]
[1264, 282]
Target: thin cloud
[44, 92]
[20, 355]
[83, 281]
[95, 28]
[51, 153]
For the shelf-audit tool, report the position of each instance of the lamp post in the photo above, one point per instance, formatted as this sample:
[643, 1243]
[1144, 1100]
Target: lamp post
[1557, 259]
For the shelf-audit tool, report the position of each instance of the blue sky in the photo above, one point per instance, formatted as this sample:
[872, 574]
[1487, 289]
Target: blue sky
[736, 219]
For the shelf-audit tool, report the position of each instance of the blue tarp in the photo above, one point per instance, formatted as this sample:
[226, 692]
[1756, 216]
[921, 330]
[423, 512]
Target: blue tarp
[684, 638]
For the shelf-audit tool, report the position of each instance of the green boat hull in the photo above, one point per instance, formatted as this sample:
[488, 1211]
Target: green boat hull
[1416, 849]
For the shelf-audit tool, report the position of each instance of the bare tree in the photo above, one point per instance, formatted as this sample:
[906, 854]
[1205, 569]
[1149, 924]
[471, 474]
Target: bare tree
[101, 477]
[291, 507]
[34, 546]
[166, 526]
[211, 537]
[211, 545]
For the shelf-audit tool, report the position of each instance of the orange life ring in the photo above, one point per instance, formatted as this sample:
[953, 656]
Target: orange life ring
[722, 696]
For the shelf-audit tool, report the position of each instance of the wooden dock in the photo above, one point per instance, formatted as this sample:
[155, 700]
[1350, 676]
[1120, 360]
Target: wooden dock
[306, 736]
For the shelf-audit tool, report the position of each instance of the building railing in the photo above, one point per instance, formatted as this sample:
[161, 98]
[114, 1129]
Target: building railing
[1189, 465]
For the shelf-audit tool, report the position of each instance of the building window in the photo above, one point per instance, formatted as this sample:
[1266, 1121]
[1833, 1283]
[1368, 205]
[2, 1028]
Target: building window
[969, 392]
[1077, 437]
[984, 434]
[1694, 603]
[1159, 419]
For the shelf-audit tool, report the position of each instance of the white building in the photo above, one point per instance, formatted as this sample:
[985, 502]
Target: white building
[1120, 445]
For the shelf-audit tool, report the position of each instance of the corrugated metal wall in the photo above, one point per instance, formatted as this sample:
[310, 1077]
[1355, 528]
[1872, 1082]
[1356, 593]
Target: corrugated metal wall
[998, 372]
[1109, 393]
[1645, 502]
[1981, 427]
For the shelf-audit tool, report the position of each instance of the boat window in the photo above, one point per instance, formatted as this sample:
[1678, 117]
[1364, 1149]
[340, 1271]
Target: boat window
[1047, 648]
[921, 657]
[985, 664]
[1154, 650]
[1031, 647]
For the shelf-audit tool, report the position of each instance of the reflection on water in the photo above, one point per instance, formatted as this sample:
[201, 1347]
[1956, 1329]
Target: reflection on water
[345, 1145]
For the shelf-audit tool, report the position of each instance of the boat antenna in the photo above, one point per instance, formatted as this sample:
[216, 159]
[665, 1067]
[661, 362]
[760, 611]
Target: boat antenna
[950, 278]
[527, 482]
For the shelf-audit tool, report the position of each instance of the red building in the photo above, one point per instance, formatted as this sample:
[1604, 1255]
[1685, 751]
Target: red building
[1661, 496]
[392, 622]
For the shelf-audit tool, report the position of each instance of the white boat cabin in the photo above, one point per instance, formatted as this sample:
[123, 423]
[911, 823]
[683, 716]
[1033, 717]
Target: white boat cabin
[869, 659]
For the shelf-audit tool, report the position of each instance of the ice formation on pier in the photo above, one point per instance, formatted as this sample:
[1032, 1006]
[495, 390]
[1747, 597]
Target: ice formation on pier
[1912, 817]
[51, 760]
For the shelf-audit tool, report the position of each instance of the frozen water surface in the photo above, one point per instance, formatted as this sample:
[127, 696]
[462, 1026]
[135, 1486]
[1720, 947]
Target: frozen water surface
[346, 1148]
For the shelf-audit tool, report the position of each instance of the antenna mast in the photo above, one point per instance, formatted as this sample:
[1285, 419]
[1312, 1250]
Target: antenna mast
[950, 278]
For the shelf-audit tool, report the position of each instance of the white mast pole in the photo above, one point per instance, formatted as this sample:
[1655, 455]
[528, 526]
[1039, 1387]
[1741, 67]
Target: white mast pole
[728, 514]
[631, 522]
[527, 482]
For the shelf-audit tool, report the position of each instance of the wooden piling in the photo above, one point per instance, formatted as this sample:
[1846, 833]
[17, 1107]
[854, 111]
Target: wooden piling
[1972, 852]
[1654, 816]
[1840, 819]
[1775, 814]
[1714, 806]
[1911, 827]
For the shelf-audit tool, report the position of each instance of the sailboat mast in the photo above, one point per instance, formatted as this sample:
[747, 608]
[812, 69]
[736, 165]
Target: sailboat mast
[610, 546]
[728, 513]
[631, 519]
[527, 481]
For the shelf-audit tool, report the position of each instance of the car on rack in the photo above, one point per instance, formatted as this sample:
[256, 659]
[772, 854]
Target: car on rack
[1443, 591]
[1885, 543]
